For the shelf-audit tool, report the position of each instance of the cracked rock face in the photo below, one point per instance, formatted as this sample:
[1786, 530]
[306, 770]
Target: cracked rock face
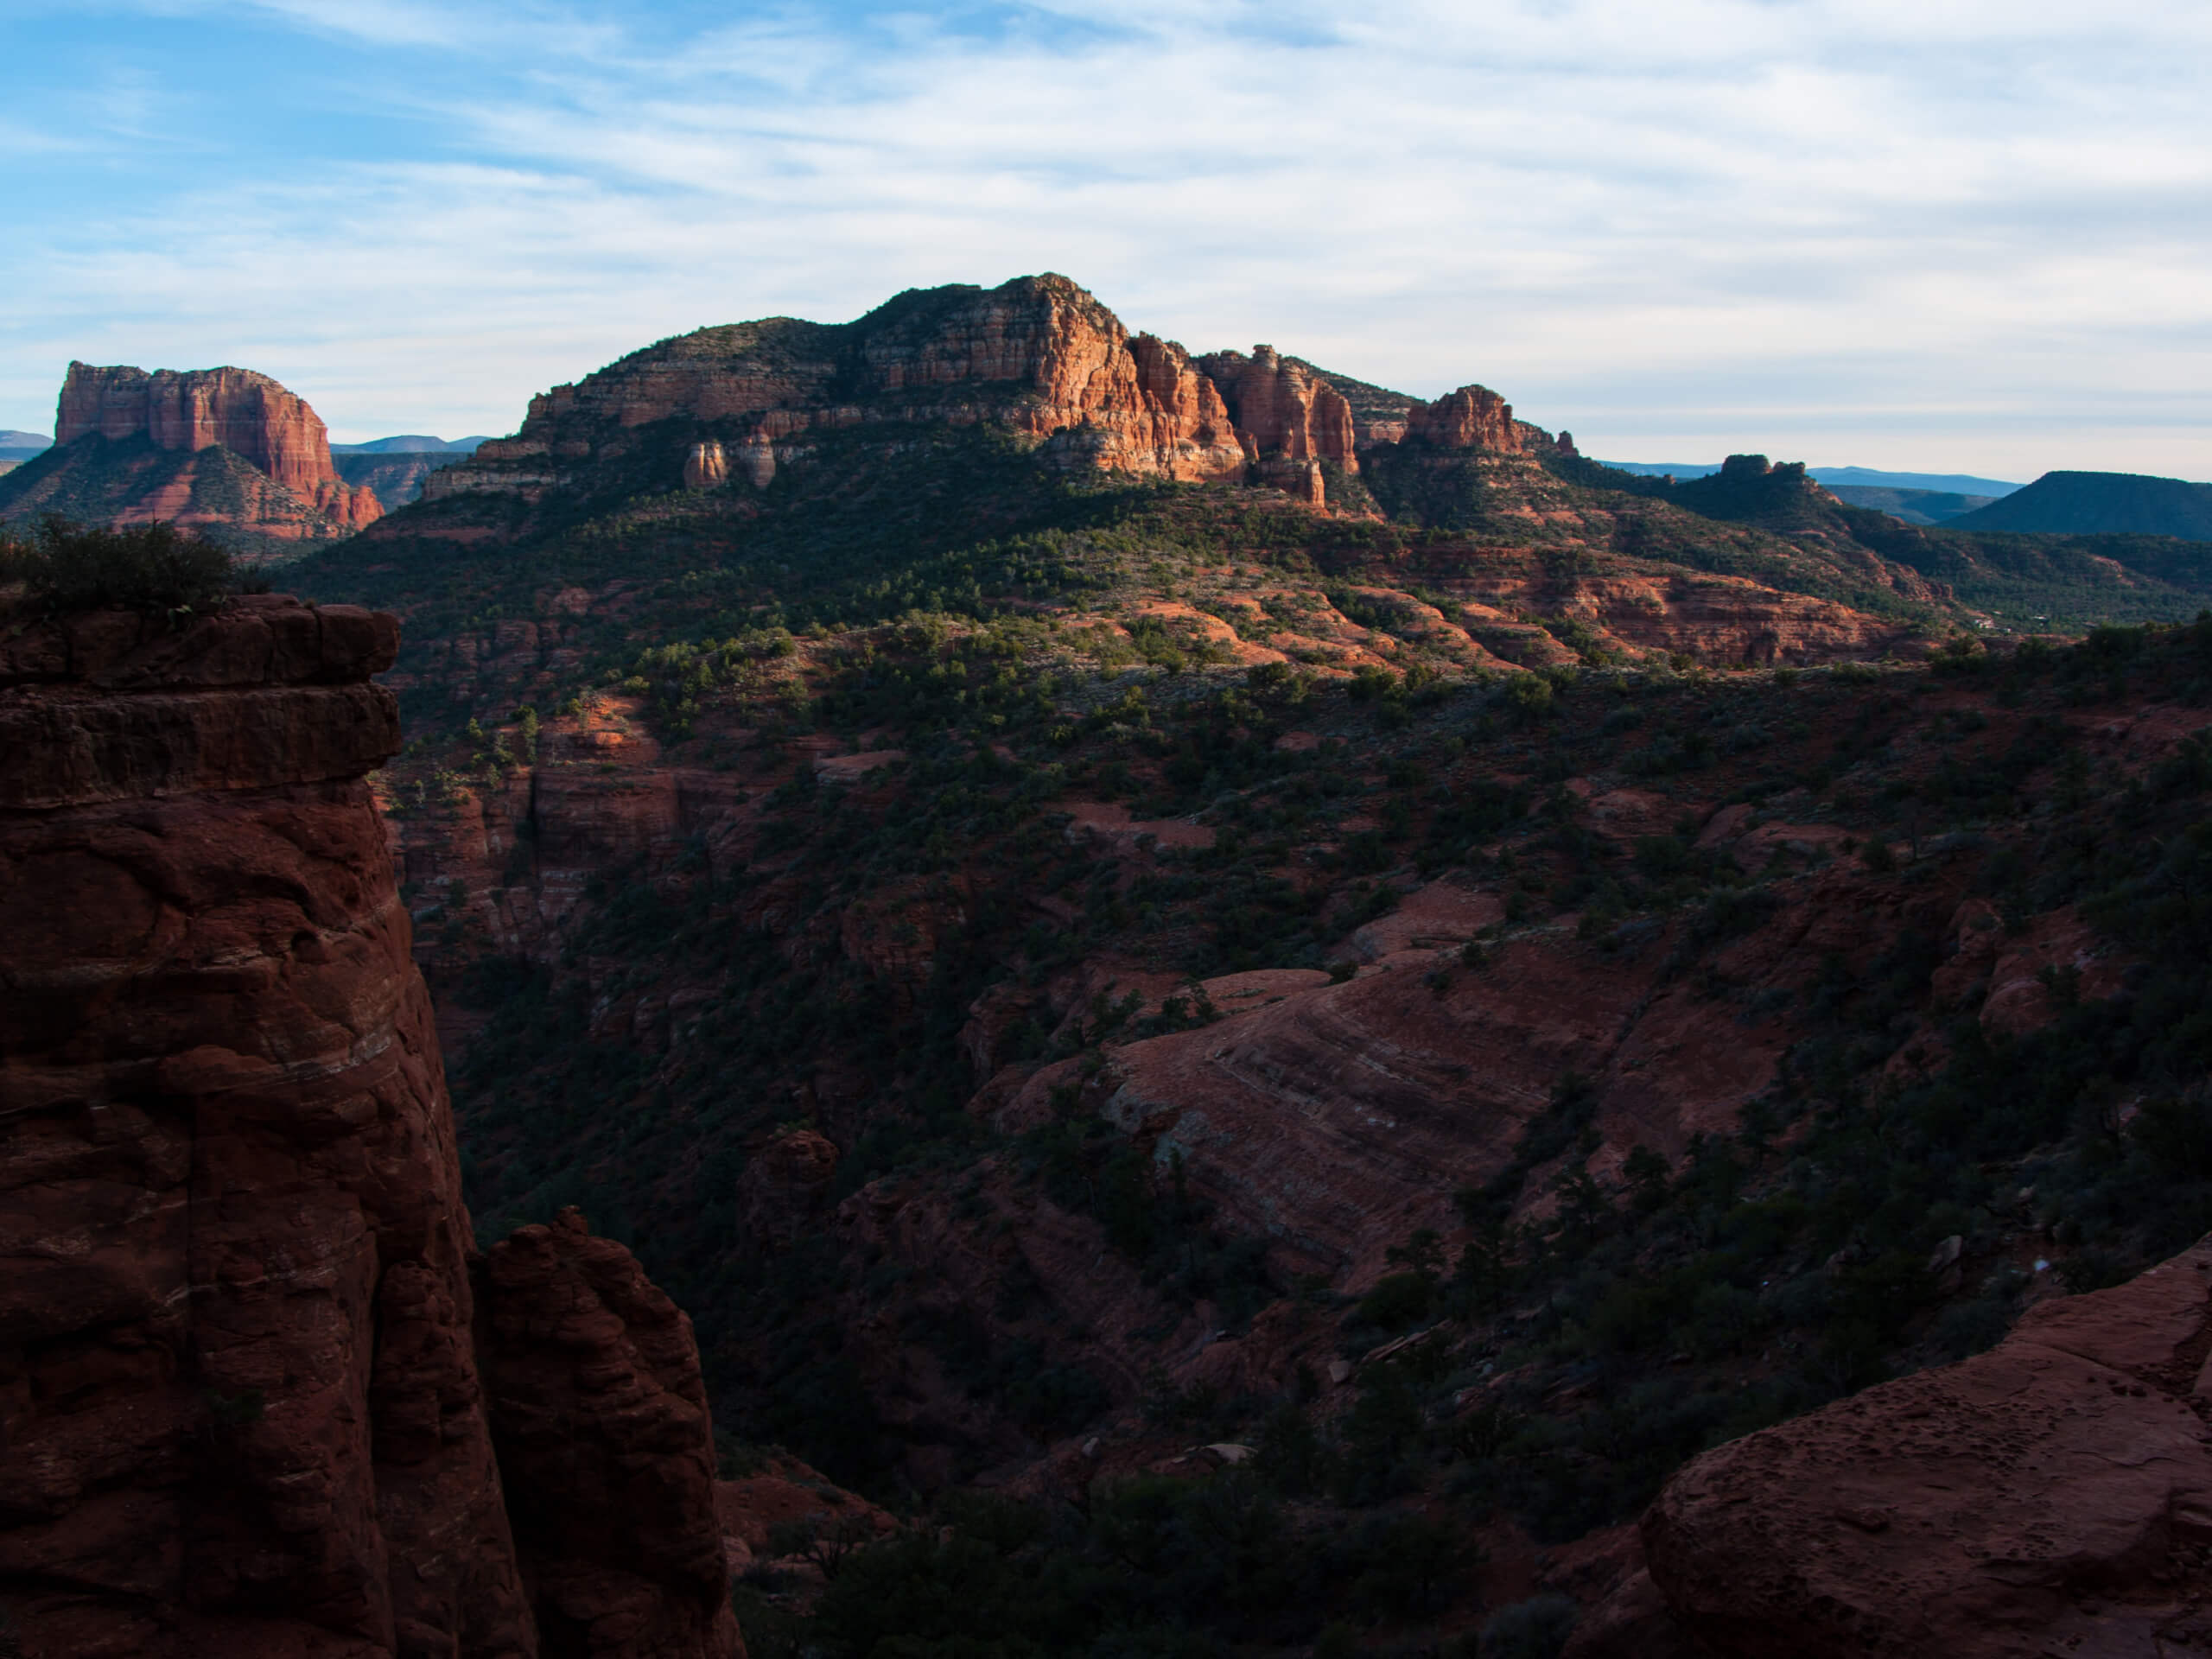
[2051, 1496]
[241, 1406]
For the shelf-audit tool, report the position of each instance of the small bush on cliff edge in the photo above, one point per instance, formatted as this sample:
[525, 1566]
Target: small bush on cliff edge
[70, 566]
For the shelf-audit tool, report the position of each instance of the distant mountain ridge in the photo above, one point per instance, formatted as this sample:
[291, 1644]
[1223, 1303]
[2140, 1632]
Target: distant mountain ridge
[23, 445]
[1869, 477]
[411, 443]
[1947, 483]
[2101, 504]
[395, 467]
[1914, 506]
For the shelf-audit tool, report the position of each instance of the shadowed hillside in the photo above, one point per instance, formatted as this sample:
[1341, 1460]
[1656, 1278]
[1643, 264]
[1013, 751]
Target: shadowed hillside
[2101, 504]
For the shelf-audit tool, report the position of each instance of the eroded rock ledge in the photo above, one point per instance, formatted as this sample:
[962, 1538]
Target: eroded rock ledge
[250, 1402]
[2053, 1495]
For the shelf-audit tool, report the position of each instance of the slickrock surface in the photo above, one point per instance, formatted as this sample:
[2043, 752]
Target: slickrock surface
[240, 1405]
[2053, 1495]
[248, 413]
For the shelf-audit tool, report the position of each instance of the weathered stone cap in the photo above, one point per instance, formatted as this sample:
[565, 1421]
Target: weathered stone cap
[258, 639]
[267, 692]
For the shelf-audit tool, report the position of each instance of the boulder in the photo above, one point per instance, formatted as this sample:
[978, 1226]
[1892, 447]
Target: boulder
[2051, 1496]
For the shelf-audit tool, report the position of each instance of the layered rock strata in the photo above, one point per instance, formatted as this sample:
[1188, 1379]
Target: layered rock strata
[1038, 355]
[1473, 417]
[1284, 411]
[2051, 1496]
[248, 413]
[242, 1407]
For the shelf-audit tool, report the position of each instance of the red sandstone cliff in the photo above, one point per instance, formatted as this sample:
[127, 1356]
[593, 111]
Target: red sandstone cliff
[1284, 410]
[606, 1448]
[252, 415]
[242, 1411]
[1039, 355]
[1288, 419]
[1473, 417]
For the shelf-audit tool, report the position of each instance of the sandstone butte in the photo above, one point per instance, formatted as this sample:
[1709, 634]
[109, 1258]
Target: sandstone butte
[260, 1397]
[297, 492]
[1038, 355]
[2052, 1496]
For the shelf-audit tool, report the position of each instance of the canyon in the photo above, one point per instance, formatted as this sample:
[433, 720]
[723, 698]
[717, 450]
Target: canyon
[263, 1394]
[1132, 952]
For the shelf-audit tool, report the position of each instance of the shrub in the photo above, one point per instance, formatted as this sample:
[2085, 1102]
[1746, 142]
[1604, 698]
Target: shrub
[1535, 1629]
[1529, 695]
[1369, 681]
[1398, 1300]
[70, 566]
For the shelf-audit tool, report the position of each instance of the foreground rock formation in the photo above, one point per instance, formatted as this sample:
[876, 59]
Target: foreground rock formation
[221, 450]
[2051, 1496]
[243, 1401]
[606, 1448]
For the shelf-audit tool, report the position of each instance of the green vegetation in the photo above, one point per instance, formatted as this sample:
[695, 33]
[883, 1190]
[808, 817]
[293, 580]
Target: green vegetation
[1178, 1568]
[152, 568]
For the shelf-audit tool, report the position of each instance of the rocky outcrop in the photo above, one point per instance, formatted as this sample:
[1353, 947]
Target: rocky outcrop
[1038, 355]
[785, 1187]
[705, 467]
[1283, 411]
[248, 413]
[242, 1408]
[605, 1449]
[2051, 1496]
[1473, 417]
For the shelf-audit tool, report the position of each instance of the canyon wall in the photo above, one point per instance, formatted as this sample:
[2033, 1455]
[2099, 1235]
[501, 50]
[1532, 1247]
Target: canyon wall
[244, 1367]
[248, 413]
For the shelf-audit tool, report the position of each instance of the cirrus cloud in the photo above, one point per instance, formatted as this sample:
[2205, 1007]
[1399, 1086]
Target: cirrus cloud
[1951, 236]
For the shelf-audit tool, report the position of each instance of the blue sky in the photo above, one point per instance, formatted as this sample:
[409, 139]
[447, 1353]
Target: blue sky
[1953, 235]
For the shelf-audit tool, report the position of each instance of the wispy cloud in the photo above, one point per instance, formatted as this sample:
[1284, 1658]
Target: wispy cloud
[1965, 234]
